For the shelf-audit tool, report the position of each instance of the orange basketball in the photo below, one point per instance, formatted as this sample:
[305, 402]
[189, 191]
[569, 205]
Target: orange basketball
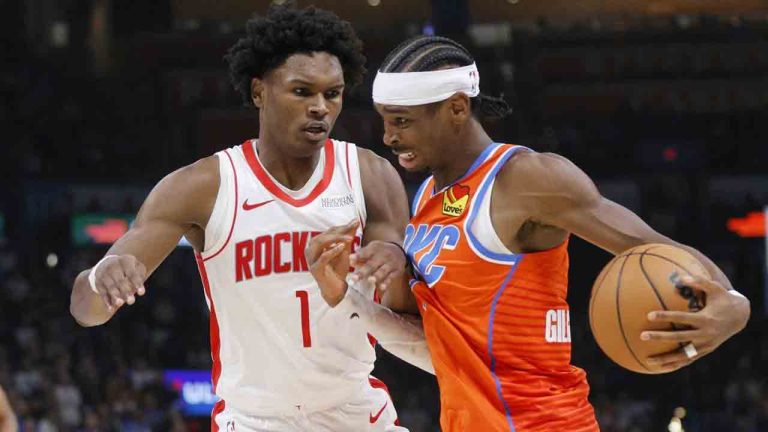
[641, 280]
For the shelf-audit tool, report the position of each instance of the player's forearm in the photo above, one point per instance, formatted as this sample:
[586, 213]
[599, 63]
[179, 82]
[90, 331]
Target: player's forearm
[398, 334]
[86, 306]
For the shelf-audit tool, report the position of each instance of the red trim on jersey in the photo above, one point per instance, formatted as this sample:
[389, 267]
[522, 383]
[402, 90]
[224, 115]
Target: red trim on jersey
[215, 342]
[349, 174]
[266, 180]
[234, 218]
[218, 408]
[349, 181]
[376, 299]
[372, 340]
[379, 384]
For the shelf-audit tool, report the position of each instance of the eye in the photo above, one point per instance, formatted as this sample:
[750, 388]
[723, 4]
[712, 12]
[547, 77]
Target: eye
[332, 94]
[301, 91]
[401, 121]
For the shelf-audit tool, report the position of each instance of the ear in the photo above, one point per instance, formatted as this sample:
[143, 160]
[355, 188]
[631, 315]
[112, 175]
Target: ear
[459, 108]
[257, 90]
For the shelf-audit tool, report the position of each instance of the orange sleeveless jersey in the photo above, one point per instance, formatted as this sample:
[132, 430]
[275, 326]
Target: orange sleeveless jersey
[497, 324]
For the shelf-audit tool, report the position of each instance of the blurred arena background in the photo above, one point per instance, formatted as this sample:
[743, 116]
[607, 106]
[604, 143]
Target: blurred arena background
[663, 102]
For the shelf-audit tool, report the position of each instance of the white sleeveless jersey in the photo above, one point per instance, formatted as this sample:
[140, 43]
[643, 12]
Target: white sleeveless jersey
[277, 347]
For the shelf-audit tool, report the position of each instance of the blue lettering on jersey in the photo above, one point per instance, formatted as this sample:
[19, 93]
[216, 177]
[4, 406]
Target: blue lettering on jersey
[434, 238]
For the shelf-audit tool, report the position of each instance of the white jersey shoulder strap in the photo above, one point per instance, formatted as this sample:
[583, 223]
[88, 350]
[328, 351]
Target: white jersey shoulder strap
[222, 218]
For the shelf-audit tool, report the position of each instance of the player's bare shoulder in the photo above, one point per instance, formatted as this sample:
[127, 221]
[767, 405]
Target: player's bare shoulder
[528, 168]
[545, 179]
[379, 177]
[372, 165]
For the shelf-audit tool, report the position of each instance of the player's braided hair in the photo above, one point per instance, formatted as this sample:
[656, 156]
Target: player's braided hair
[286, 30]
[428, 53]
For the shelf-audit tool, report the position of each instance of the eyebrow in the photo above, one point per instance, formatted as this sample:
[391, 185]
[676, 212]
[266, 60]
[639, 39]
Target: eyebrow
[310, 84]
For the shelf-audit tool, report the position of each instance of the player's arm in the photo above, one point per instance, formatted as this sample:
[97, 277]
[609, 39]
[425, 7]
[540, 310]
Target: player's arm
[382, 260]
[8, 422]
[400, 334]
[559, 194]
[180, 203]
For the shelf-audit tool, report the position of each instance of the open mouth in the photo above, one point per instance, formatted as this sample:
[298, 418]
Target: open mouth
[407, 154]
[405, 158]
[316, 130]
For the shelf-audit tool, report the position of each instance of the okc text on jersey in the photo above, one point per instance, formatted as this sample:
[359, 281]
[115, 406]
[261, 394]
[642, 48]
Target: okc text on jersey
[432, 239]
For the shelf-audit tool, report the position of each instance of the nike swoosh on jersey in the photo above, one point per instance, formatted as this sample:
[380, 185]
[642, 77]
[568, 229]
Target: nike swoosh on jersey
[374, 418]
[247, 206]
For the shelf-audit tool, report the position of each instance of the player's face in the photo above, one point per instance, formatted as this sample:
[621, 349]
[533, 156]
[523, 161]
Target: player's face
[415, 134]
[301, 100]
[405, 131]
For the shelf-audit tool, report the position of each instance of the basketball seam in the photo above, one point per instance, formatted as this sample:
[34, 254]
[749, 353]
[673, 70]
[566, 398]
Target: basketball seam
[658, 256]
[668, 260]
[602, 276]
[650, 282]
[655, 291]
[618, 315]
[673, 262]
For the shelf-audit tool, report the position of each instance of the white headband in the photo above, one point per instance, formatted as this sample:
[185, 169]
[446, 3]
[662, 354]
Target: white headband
[419, 88]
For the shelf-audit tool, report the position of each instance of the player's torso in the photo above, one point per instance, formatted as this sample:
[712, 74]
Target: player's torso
[497, 322]
[278, 345]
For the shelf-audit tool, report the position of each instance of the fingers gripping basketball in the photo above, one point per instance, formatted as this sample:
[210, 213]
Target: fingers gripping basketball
[639, 281]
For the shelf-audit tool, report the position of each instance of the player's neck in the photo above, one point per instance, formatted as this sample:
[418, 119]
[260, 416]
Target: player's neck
[290, 171]
[461, 153]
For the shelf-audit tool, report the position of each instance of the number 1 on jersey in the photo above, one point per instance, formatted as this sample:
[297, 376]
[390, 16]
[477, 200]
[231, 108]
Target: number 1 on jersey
[303, 297]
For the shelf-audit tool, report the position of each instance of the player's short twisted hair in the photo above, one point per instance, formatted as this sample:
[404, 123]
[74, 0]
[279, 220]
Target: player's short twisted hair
[428, 53]
[286, 30]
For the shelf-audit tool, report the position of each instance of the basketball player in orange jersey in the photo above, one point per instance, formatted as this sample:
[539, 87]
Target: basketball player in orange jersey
[282, 359]
[488, 241]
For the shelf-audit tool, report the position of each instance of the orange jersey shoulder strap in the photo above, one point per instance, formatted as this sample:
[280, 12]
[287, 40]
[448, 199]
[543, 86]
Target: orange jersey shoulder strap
[493, 151]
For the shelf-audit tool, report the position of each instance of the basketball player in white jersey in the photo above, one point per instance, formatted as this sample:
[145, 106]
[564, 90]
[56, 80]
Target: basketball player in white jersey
[283, 360]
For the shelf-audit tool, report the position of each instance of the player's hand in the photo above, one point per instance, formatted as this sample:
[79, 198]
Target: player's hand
[328, 258]
[119, 280]
[379, 263]
[723, 316]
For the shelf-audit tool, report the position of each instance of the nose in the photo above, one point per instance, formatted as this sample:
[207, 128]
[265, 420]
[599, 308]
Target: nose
[390, 137]
[318, 108]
